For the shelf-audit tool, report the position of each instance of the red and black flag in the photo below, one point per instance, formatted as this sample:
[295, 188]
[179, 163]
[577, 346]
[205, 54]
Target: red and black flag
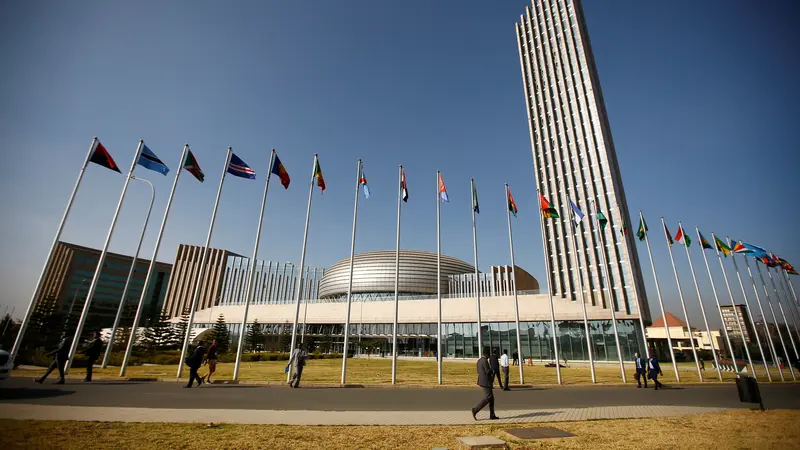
[100, 156]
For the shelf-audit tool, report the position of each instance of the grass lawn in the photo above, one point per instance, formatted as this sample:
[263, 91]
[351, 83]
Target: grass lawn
[410, 372]
[734, 429]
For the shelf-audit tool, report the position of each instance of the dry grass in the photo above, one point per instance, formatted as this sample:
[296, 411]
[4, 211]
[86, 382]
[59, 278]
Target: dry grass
[734, 429]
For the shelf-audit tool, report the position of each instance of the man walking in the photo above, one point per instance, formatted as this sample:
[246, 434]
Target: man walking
[59, 362]
[494, 364]
[504, 368]
[654, 370]
[211, 360]
[641, 363]
[297, 361]
[515, 359]
[92, 352]
[485, 381]
[194, 362]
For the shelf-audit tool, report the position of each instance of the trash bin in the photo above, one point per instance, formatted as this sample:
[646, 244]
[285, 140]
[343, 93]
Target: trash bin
[748, 390]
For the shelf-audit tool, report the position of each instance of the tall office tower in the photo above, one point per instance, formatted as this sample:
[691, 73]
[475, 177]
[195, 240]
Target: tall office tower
[574, 158]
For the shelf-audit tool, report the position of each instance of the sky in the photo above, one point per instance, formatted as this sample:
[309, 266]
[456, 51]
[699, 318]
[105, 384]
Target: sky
[702, 103]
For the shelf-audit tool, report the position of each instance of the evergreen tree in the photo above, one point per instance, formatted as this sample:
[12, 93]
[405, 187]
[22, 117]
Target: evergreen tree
[286, 338]
[158, 335]
[254, 338]
[221, 334]
[179, 331]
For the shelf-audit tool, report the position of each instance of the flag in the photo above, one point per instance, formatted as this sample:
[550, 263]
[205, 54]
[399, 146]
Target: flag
[601, 218]
[475, 206]
[682, 237]
[280, 171]
[512, 205]
[766, 260]
[443, 190]
[239, 168]
[791, 270]
[548, 212]
[757, 252]
[403, 186]
[669, 236]
[363, 182]
[641, 233]
[149, 160]
[318, 176]
[577, 215]
[786, 266]
[704, 242]
[624, 230]
[721, 246]
[101, 157]
[738, 247]
[191, 166]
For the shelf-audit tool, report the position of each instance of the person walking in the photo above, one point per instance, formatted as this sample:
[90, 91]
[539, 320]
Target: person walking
[194, 362]
[211, 360]
[654, 370]
[515, 359]
[61, 355]
[92, 352]
[702, 364]
[641, 372]
[297, 361]
[504, 368]
[494, 364]
[485, 381]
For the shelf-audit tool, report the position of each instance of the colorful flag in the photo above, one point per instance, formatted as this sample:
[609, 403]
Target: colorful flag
[669, 236]
[682, 237]
[475, 206]
[548, 212]
[624, 230]
[363, 182]
[757, 252]
[101, 157]
[318, 176]
[149, 160]
[577, 215]
[512, 205]
[766, 260]
[738, 247]
[601, 218]
[641, 233]
[791, 270]
[403, 186]
[704, 242]
[280, 171]
[442, 190]
[722, 246]
[239, 168]
[191, 166]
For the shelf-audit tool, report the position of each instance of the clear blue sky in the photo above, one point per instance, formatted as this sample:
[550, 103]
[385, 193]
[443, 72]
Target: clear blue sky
[702, 103]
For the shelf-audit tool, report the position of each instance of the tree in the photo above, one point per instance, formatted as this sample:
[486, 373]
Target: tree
[254, 338]
[286, 338]
[221, 334]
[158, 335]
[179, 331]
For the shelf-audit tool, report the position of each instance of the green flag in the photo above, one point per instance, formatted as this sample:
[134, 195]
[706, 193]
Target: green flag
[602, 219]
[475, 199]
[642, 229]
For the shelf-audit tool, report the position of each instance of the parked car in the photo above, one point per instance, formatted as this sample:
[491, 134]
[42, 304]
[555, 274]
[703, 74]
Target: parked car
[5, 365]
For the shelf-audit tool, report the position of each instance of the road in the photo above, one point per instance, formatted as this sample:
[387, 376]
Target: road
[253, 397]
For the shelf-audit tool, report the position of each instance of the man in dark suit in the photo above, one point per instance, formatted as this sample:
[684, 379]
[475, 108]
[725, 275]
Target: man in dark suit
[485, 381]
[654, 370]
[61, 356]
[92, 352]
[641, 371]
[494, 364]
[194, 362]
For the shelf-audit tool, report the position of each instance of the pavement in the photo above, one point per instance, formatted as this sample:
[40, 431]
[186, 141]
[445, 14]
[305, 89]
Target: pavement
[170, 402]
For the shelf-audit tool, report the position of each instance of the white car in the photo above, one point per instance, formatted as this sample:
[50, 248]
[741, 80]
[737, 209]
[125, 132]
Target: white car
[5, 365]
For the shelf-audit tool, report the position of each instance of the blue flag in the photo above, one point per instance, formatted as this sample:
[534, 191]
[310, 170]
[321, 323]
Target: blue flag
[578, 215]
[755, 251]
[149, 160]
[240, 168]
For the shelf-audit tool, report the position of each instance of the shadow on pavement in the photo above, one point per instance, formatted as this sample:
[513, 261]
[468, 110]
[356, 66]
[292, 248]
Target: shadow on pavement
[29, 394]
[533, 414]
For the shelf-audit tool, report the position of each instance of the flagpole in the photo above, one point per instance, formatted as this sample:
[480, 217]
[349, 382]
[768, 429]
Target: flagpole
[438, 278]
[702, 307]
[583, 302]
[549, 290]
[658, 292]
[475, 253]
[516, 297]
[604, 267]
[794, 294]
[130, 274]
[250, 289]
[397, 275]
[733, 307]
[350, 281]
[775, 319]
[101, 261]
[305, 305]
[771, 343]
[302, 264]
[680, 294]
[749, 311]
[152, 266]
[38, 289]
[786, 281]
[199, 280]
[780, 306]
